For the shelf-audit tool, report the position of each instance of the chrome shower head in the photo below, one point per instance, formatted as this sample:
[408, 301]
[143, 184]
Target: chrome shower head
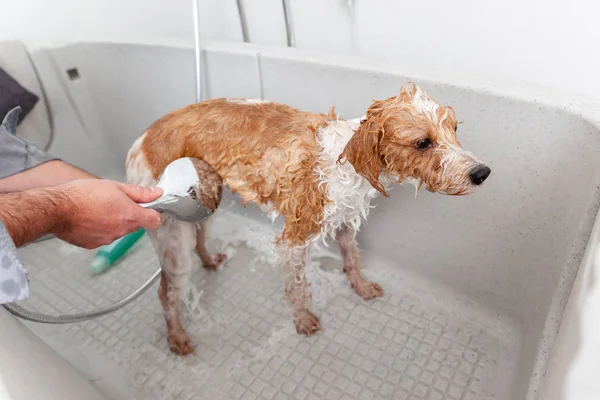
[192, 190]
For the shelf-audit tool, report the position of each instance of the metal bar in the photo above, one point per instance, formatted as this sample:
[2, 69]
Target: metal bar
[197, 52]
[289, 25]
[243, 22]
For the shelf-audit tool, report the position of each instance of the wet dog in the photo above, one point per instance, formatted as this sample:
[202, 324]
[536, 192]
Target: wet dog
[319, 172]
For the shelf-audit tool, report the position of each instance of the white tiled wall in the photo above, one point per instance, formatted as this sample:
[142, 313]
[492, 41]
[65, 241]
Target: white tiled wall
[550, 42]
[232, 72]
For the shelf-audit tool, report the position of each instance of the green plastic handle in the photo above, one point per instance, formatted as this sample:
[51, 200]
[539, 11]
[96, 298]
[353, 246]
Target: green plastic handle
[109, 254]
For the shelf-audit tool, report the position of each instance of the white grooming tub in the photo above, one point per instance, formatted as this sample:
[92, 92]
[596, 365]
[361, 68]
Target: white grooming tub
[475, 287]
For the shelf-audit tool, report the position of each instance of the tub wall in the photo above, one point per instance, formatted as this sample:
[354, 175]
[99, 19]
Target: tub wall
[30, 369]
[111, 103]
[547, 43]
[505, 247]
[533, 150]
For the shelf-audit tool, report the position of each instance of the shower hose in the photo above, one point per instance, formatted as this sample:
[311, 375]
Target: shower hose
[34, 316]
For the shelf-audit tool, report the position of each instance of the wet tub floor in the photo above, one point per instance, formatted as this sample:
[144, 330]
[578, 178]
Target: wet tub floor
[418, 342]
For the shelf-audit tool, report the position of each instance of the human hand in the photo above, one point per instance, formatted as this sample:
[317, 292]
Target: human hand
[97, 212]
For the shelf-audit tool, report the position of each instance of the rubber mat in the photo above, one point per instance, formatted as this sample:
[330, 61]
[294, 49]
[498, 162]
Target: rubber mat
[418, 342]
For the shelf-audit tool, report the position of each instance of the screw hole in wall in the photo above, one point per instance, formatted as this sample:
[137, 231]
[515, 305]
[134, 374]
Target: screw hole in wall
[73, 74]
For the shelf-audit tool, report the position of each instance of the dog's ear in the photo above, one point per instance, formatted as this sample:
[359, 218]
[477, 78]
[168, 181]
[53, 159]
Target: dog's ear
[362, 151]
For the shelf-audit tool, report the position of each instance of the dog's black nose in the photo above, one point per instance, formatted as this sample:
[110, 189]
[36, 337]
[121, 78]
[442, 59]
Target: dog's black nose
[479, 174]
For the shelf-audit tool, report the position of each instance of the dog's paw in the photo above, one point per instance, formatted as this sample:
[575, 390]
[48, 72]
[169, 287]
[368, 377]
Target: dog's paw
[307, 323]
[368, 290]
[217, 260]
[180, 343]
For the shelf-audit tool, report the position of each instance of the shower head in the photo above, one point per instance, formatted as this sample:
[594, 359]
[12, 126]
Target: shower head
[192, 190]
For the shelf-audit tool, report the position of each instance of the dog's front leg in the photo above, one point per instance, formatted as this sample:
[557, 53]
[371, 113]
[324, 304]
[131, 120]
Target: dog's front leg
[346, 238]
[297, 290]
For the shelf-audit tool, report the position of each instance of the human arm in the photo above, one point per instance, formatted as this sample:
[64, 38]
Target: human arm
[50, 173]
[87, 213]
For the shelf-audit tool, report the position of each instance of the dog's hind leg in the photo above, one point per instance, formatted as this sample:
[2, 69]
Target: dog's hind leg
[209, 261]
[297, 290]
[173, 243]
[346, 238]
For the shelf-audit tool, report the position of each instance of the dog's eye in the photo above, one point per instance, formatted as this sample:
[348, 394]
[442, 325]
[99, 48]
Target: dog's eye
[423, 144]
[455, 127]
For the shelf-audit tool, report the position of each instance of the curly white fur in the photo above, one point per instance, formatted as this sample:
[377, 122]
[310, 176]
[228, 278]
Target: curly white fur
[350, 194]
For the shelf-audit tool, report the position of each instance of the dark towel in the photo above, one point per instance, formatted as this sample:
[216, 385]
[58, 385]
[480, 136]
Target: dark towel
[12, 95]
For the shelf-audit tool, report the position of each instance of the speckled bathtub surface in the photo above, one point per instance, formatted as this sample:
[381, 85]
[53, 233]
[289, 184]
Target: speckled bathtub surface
[417, 342]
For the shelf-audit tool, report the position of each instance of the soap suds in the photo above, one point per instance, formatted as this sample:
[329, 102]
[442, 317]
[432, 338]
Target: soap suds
[227, 232]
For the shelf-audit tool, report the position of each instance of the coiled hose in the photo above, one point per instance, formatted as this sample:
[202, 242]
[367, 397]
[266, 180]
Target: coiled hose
[34, 316]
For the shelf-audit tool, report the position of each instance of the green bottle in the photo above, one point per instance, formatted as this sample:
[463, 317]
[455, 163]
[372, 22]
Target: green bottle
[109, 254]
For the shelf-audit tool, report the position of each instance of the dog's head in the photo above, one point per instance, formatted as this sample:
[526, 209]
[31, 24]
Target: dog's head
[411, 137]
